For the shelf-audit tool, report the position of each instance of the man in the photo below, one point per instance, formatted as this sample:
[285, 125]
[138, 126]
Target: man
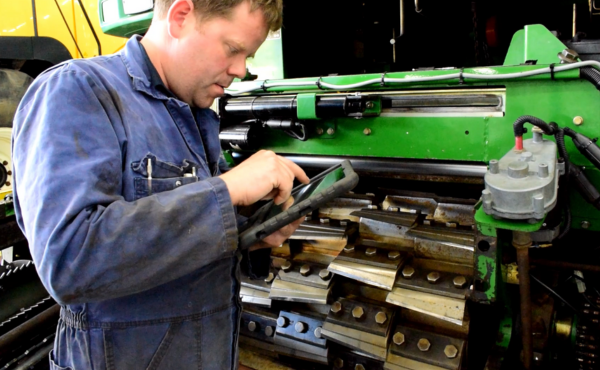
[118, 190]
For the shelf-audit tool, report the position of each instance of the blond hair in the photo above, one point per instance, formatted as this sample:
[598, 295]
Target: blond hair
[206, 9]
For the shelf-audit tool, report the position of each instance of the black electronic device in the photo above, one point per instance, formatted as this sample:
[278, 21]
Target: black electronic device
[324, 187]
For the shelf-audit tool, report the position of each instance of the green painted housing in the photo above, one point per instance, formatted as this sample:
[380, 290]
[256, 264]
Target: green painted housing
[124, 25]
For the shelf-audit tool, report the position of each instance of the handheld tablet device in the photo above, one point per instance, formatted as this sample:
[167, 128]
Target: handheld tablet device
[329, 184]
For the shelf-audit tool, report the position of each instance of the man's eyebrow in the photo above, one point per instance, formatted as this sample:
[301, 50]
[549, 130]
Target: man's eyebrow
[240, 48]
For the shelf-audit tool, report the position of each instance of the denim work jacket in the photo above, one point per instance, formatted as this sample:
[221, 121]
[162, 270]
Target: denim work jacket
[146, 271]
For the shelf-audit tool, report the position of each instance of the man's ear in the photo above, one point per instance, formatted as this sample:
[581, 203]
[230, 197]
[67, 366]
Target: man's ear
[180, 14]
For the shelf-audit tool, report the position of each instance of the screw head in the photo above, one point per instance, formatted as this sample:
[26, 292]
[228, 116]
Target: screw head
[305, 270]
[252, 326]
[369, 105]
[408, 272]
[398, 338]
[371, 252]
[358, 312]
[177, 183]
[317, 332]
[423, 345]
[359, 367]
[324, 220]
[336, 307]
[300, 327]
[269, 279]
[269, 331]
[287, 266]
[319, 131]
[325, 274]
[459, 281]
[282, 321]
[338, 363]
[330, 131]
[578, 121]
[380, 318]
[433, 277]
[451, 351]
[394, 255]
[585, 224]
[349, 249]
[367, 131]
[344, 223]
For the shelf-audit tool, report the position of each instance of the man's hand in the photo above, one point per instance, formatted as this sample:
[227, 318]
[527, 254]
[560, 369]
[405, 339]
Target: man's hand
[278, 237]
[264, 175]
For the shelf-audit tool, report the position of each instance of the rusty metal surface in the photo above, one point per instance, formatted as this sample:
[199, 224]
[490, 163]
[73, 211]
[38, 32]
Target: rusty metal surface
[443, 286]
[445, 251]
[380, 277]
[462, 214]
[434, 353]
[381, 258]
[445, 308]
[293, 292]
[525, 297]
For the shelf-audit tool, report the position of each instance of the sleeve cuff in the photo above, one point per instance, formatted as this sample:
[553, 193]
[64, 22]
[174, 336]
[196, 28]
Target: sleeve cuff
[228, 213]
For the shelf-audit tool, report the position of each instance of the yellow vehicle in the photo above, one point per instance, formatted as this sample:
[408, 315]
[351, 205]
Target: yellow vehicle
[35, 35]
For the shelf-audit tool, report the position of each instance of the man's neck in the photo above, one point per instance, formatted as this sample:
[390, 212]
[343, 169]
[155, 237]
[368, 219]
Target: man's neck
[154, 54]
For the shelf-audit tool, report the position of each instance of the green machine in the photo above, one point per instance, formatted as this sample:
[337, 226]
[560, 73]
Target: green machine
[468, 242]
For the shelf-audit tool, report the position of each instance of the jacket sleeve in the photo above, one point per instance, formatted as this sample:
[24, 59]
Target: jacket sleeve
[88, 243]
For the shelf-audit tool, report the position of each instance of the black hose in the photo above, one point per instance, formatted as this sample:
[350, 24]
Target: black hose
[520, 130]
[592, 75]
[559, 135]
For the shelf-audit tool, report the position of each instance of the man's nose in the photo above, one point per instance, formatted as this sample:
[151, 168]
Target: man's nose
[238, 68]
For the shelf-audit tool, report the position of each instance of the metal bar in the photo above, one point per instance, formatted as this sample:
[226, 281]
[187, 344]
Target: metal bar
[91, 27]
[525, 293]
[25, 330]
[388, 165]
[34, 14]
[39, 356]
[68, 28]
[565, 265]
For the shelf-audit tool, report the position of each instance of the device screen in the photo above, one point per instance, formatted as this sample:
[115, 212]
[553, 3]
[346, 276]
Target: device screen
[305, 191]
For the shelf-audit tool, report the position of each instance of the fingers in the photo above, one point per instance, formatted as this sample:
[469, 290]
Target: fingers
[296, 170]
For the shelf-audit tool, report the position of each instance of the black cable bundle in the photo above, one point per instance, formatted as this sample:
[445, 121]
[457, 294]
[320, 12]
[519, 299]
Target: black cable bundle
[592, 75]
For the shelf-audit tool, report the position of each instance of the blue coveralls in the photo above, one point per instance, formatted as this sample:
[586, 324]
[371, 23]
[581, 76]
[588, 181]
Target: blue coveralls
[144, 281]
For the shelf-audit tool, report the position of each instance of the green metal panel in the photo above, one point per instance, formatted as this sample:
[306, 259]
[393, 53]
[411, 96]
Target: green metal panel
[534, 42]
[487, 224]
[307, 106]
[124, 25]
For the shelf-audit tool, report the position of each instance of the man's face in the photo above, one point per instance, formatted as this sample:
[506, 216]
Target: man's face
[209, 54]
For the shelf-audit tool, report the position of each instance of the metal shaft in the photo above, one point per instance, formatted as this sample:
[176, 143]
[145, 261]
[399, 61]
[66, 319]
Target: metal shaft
[522, 242]
[27, 329]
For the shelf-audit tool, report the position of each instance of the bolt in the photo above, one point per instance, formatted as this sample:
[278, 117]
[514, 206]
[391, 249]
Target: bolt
[398, 338]
[252, 326]
[287, 266]
[372, 206]
[568, 56]
[5, 163]
[450, 351]
[325, 274]
[336, 307]
[330, 131]
[300, 327]
[269, 331]
[349, 249]
[371, 252]
[380, 318]
[394, 255]
[305, 270]
[177, 183]
[359, 367]
[307, 218]
[338, 363]
[433, 277]
[317, 332]
[367, 131]
[459, 281]
[324, 220]
[369, 105]
[358, 312]
[343, 223]
[585, 224]
[578, 121]
[270, 278]
[423, 345]
[319, 131]
[408, 272]
[7, 183]
[282, 321]
[9, 173]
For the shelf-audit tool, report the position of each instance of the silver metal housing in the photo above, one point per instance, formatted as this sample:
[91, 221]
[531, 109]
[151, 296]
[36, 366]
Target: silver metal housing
[523, 184]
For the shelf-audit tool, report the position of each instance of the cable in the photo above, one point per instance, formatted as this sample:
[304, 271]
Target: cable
[557, 296]
[410, 79]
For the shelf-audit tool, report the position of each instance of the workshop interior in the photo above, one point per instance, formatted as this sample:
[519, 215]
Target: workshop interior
[472, 238]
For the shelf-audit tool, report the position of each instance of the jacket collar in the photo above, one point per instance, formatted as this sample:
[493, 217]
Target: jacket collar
[134, 58]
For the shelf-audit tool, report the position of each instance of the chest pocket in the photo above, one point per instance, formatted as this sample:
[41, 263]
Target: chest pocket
[152, 175]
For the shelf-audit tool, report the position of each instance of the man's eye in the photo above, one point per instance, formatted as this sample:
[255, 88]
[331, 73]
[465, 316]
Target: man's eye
[233, 50]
